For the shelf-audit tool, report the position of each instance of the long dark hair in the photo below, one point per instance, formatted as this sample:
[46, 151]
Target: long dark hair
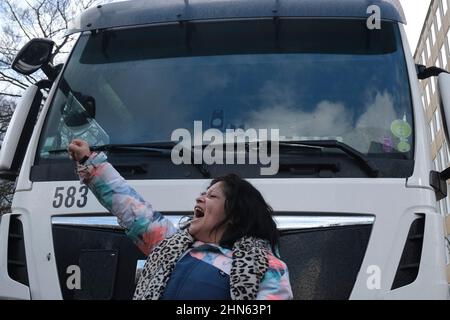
[246, 213]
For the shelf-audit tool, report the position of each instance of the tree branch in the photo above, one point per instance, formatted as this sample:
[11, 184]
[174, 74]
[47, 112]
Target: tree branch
[17, 20]
[63, 15]
[5, 78]
[38, 18]
[10, 95]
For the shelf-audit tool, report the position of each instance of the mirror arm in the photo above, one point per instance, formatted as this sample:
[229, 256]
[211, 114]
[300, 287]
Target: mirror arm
[445, 175]
[50, 71]
[438, 184]
[438, 181]
[44, 84]
[424, 73]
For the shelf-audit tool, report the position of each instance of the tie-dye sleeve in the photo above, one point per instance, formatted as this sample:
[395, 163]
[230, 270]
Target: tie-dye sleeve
[275, 284]
[143, 225]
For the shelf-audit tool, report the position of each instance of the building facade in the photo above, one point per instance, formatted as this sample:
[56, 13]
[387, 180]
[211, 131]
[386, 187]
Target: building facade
[433, 49]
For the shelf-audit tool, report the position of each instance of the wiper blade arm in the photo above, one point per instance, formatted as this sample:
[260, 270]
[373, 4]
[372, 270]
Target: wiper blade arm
[152, 146]
[363, 161]
[157, 148]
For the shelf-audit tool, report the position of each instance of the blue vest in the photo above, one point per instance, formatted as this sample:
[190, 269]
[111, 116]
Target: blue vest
[193, 279]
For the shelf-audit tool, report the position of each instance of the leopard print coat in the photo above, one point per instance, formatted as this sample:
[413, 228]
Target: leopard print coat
[248, 267]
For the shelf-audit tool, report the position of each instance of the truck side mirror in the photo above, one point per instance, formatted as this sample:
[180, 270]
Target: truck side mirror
[438, 180]
[19, 132]
[444, 92]
[34, 55]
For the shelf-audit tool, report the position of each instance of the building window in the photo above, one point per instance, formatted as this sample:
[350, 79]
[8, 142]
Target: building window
[448, 40]
[428, 48]
[447, 201]
[433, 34]
[433, 85]
[442, 157]
[438, 19]
[443, 207]
[437, 120]
[447, 47]
[444, 56]
[432, 130]
[438, 162]
[445, 153]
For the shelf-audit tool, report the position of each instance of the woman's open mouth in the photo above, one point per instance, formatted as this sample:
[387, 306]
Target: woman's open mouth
[198, 212]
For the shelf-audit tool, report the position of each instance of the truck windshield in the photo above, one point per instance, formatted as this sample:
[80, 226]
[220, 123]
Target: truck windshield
[321, 79]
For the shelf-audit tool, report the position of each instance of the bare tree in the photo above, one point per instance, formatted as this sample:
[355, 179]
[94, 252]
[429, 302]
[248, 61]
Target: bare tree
[7, 107]
[23, 21]
[20, 22]
[6, 196]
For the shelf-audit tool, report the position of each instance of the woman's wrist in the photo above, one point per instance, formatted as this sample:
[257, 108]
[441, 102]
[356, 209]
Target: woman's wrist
[92, 159]
[84, 159]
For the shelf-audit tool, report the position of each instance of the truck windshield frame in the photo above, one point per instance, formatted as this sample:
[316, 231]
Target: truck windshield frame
[313, 79]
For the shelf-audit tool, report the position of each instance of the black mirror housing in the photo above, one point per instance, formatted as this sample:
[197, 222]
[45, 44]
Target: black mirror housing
[33, 56]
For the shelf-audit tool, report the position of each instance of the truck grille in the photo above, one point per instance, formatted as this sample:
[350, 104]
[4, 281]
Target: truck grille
[323, 254]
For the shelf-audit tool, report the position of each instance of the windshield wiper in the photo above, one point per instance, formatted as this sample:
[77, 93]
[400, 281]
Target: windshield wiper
[153, 147]
[363, 161]
[156, 148]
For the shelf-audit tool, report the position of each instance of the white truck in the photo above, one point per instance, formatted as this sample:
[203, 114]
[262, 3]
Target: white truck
[355, 194]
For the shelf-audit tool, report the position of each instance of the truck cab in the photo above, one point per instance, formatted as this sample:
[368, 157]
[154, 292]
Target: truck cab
[354, 194]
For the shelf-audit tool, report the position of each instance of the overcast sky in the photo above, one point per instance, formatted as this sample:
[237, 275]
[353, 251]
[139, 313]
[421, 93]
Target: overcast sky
[416, 12]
